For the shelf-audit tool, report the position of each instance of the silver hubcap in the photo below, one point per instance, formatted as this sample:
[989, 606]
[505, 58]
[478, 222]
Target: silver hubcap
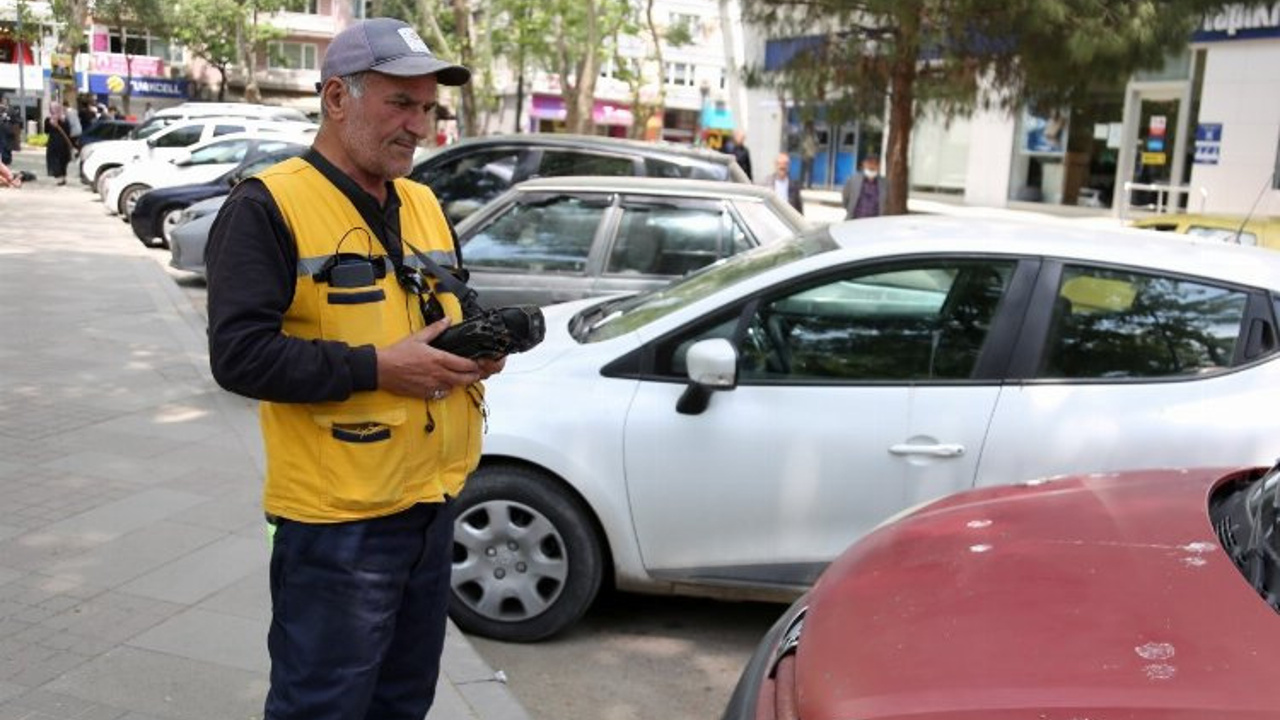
[130, 200]
[168, 223]
[509, 562]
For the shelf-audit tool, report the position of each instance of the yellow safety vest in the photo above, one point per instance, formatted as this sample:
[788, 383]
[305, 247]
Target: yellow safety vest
[375, 453]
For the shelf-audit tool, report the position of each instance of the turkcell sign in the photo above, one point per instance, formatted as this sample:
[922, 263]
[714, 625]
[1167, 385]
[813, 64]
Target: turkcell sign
[1240, 21]
[138, 87]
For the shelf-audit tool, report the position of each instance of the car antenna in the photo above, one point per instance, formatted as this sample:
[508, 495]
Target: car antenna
[1270, 183]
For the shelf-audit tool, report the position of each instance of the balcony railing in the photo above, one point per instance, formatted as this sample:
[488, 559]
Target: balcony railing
[277, 78]
[305, 24]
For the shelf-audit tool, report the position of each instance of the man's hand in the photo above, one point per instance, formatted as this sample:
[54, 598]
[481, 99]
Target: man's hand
[413, 368]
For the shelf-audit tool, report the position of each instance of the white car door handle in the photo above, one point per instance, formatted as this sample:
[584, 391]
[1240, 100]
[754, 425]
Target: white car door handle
[943, 451]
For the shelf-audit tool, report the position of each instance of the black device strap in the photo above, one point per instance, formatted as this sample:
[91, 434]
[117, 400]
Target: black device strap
[374, 215]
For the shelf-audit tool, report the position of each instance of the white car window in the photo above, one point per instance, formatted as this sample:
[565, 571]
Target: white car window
[551, 235]
[1111, 324]
[226, 151]
[924, 322]
[179, 137]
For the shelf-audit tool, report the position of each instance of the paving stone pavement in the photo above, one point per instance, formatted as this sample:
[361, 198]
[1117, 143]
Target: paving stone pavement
[133, 580]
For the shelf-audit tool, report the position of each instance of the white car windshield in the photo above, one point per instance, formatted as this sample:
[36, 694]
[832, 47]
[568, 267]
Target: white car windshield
[622, 315]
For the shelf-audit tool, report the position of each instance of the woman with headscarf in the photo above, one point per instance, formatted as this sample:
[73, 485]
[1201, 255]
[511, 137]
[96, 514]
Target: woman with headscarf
[57, 152]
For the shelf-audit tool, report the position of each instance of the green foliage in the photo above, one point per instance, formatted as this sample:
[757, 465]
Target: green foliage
[192, 20]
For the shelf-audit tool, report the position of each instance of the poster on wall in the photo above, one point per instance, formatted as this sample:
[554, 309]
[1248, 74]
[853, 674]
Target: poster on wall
[1044, 134]
[1208, 143]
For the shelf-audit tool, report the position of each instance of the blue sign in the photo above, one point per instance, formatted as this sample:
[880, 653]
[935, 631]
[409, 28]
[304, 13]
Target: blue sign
[139, 86]
[1155, 144]
[1240, 21]
[1208, 143]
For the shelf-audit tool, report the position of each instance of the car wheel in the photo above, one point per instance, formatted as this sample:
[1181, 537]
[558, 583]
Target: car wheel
[526, 560]
[129, 197]
[100, 179]
[167, 221]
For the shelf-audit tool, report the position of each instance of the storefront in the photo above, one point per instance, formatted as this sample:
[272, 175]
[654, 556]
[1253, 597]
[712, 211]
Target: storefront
[547, 113]
[1234, 144]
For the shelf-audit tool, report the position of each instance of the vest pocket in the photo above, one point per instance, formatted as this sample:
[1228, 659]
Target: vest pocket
[363, 458]
[356, 316]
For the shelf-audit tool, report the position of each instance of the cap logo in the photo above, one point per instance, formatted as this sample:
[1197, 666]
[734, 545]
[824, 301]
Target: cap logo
[411, 38]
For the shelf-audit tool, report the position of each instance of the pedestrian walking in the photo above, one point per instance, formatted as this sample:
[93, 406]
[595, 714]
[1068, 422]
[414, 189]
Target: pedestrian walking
[57, 151]
[737, 146]
[863, 194]
[780, 181]
[317, 308]
[808, 152]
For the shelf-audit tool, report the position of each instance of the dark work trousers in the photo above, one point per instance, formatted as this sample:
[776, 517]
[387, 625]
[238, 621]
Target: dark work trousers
[358, 616]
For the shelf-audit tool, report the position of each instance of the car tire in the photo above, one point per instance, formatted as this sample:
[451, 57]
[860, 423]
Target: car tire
[166, 221]
[527, 562]
[129, 197]
[102, 174]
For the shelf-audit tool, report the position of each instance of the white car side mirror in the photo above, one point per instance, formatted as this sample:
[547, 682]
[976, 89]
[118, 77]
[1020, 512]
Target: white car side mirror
[713, 365]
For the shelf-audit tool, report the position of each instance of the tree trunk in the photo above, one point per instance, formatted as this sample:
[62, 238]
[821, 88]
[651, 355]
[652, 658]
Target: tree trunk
[470, 125]
[581, 103]
[901, 105]
[222, 82]
[252, 93]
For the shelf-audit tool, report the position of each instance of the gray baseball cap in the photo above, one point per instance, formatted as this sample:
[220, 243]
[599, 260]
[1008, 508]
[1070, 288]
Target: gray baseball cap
[388, 46]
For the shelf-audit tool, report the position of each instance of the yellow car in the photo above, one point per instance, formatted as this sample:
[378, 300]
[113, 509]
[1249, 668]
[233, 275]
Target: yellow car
[1261, 231]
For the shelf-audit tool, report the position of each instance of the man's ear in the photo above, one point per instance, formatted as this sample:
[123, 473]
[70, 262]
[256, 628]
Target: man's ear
[335, 98]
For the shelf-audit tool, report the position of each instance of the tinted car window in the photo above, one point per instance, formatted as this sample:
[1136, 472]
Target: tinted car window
[227, 129]
[558, 163]
[477, 176]
[550, 235]
[924, 322]
[180, 137]
[152, 126]
[764, 220]
[1113, 324]
[665, 240]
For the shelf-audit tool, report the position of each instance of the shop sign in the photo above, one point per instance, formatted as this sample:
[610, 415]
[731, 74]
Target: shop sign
[1208, 143]
[138, 87]
[1153, 158]
[1155, 144]
[60, 66]
[1240, 21]
[117, 64]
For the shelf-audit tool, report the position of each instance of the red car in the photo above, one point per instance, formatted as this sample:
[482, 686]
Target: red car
[1143, 596]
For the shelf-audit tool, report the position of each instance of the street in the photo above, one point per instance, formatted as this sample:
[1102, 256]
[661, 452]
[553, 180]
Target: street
[632, 656]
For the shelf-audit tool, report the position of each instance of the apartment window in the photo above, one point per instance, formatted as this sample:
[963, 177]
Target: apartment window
[680, 74]
[687, 20]
[136, 43]
[359, 9]
[312, 7]
[292, 56]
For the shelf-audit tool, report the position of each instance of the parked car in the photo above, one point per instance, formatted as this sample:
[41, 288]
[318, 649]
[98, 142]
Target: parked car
[106, 130]
[470, 172]
[1145, 595]
[159, 211]
[190, 234]
[559, 239]
[1259, 231]
[103, 158]
[164, 117]
[204, 161]
[734, 431]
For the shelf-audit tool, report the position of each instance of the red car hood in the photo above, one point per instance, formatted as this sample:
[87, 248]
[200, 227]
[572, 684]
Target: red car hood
[1093, 597]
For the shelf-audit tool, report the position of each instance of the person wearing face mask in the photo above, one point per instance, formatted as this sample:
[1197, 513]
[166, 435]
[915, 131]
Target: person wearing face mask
[864, 193]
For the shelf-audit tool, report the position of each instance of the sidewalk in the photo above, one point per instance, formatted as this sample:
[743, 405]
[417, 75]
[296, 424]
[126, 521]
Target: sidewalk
[133, 560]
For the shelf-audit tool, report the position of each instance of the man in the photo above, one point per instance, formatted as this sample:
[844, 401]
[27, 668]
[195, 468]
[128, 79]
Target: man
[738, 148]
[780, 181]
[319, 308]
[864, 193]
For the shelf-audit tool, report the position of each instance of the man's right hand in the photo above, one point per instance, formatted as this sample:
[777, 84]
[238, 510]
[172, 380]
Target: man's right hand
[413, 368]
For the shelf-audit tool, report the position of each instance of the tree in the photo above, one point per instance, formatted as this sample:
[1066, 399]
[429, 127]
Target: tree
[855, 55]
[631, 70]
[190, 26]
[145, 16]
[253, 33]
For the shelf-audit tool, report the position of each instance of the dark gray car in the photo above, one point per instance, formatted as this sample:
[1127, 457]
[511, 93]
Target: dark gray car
[470, 172]
[558, 239]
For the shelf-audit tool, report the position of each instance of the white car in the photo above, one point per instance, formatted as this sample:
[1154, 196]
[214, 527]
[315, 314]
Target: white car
[204, 161]
[733, 432]
[102, 158]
